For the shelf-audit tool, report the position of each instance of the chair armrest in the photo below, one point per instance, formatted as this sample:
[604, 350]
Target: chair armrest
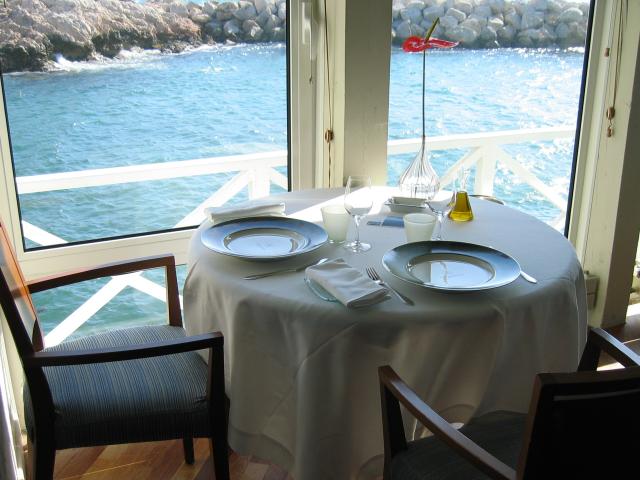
[441, 429]
[597, 341]
[120, 268]
[106, 270]
[130, 352]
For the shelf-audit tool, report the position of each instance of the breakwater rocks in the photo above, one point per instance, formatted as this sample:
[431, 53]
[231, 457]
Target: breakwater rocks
[494, 23]
[33, 32]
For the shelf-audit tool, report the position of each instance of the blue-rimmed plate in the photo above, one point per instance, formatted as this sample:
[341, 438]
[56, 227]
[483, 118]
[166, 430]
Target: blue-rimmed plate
[264, 238]
[451, 266]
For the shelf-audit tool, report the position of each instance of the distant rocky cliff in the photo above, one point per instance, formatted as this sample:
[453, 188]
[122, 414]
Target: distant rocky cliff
[33, 32]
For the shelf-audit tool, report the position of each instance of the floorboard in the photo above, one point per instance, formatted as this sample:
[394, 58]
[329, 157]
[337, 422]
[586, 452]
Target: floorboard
[165, 460]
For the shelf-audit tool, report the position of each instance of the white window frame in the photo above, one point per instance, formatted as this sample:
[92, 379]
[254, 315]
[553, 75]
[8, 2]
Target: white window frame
[302, 32]
[604, 221]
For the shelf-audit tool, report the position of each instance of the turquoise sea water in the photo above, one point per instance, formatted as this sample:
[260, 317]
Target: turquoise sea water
[146, 107]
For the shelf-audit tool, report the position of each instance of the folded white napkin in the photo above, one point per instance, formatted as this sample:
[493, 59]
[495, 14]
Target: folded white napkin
[347, 284]
[253, 209]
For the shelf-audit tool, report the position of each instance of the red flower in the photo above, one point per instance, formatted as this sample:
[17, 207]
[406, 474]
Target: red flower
[419, 44]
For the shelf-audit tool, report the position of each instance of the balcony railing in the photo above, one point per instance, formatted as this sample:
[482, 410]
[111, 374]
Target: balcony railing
[258, 172]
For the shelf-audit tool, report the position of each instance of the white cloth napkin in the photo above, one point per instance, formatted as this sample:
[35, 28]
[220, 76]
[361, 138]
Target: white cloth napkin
[254, 209]
[348, 285]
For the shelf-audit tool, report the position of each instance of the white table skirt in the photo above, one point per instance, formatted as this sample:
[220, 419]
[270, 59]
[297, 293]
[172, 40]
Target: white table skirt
[302, 372]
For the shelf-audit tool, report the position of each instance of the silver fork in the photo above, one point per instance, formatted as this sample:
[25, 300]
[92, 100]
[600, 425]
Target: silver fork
[373, 275]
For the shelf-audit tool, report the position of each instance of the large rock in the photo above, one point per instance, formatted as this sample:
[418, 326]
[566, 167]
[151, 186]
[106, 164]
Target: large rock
[459, 15]
[448, 22]
[225, 11]
[554, 6]
[506, 34]
[431, 13]
[488, 35]
[483, 11]
[233, 29]
[413, 13]
[209, 8]
[495, 23]
[282, 11]
[214, 30]
[513, 18]
[245, 11]
[271, 24]
[497, 6]
[465, 6]
[279, 34]
[465, 35]
[252, 31]
[264, 5]
[531, 19]
[571, 15]
[473, 24]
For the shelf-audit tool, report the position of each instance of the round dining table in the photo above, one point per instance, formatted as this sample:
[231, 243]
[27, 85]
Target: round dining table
[301, 372]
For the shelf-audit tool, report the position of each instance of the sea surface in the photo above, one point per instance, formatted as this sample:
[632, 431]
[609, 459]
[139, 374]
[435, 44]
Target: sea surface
[148, 107]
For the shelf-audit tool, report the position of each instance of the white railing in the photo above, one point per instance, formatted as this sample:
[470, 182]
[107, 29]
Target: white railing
[258, 172]
[486, 151]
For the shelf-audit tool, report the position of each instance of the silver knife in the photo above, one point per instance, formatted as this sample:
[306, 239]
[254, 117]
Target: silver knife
[286, 270]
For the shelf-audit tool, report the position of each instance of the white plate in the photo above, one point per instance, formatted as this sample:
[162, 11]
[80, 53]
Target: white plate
[264, 238]
[451, 266]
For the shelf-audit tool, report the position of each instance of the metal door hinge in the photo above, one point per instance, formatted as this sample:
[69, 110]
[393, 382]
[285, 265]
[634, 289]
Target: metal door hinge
[591, 283]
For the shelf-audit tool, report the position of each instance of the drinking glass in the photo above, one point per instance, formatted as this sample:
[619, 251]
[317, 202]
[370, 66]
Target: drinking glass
[441, 204]
[358, 200]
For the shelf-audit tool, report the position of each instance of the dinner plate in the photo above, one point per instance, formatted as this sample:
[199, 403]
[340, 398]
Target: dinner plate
[451, 266]
[264, 238]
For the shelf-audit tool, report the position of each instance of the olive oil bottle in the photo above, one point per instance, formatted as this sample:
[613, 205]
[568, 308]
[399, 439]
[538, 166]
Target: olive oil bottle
[461, 211]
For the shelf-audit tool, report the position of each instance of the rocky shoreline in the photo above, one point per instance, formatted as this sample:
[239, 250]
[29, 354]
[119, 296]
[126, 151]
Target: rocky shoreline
[33, 32]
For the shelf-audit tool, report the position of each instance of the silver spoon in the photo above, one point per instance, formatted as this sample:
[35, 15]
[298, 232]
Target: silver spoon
[528, 277]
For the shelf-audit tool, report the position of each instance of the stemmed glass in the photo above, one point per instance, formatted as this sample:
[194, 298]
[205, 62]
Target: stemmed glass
[358, 200]
[441, 204]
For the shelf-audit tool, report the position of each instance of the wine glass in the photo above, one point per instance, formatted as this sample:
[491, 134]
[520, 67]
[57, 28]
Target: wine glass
[441, 204]
[358, 200]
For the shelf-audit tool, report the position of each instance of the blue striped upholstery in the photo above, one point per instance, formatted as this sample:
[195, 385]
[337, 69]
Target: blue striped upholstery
[500, 433]
[138, 400]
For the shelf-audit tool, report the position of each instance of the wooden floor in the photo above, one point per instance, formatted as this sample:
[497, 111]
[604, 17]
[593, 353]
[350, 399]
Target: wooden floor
[165, 461]
[155, 461]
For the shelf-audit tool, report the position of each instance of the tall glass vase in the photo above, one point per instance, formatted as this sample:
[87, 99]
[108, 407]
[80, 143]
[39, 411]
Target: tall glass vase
[420, 180]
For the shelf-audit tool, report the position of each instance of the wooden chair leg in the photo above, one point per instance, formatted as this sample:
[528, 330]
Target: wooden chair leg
[220, 457]
[187, 445]
[43, 458]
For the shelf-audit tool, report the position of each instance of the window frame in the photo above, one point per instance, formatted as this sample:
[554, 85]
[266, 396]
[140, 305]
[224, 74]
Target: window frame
[49, 260]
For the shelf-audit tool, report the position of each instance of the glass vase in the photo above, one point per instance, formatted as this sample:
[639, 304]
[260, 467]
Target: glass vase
[420, 180]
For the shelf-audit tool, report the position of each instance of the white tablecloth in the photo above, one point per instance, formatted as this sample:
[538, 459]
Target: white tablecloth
[301, 372]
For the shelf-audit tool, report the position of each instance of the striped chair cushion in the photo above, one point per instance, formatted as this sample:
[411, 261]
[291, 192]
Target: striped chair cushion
[500, 433]
[154, 398]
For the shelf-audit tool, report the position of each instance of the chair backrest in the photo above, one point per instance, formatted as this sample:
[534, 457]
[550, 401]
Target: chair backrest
[16, 301]
[580, 423]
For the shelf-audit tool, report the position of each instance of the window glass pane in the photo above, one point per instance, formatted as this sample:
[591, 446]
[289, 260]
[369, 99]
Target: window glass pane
[505, 75]
[144, 107]
[63, 311]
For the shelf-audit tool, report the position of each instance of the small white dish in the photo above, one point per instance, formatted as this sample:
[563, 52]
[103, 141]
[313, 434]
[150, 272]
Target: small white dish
[414, 206]
[409, 201]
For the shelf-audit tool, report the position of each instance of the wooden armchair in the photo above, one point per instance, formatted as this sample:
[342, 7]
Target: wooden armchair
[575, 427]
[130, 385]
